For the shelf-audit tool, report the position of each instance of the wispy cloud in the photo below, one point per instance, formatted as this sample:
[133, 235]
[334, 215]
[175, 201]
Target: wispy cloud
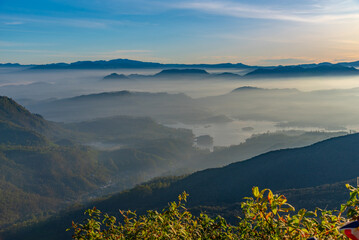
[275, 61]
[133, 51]
[26, 51]
[13, 23]
[318, 11]
[62, 21]
[23, 44]
[8, 44]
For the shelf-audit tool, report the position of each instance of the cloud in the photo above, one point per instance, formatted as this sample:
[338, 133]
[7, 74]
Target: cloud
[13, 23]
[285, 61]
[62, 21]
[317, 11]
[133, 51]
[23, 44]
[9, 44]
[25, 50]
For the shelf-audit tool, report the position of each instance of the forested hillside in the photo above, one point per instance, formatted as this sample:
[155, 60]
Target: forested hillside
[297, 172]
[45, 166]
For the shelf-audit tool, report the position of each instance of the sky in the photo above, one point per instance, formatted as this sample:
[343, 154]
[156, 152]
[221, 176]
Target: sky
[256, 32]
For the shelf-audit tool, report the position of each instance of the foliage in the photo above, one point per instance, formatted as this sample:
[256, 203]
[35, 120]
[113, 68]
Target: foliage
[266, 216]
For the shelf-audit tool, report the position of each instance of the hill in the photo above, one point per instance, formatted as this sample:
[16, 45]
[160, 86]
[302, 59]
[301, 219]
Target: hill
[127, 63]
[227, 75]
[10, 111]
[262, 143]
[14, 114]
[12, 134]
[182, 73]
[126, 131]
[115, 76]
[300, 71]
[48, 174]
[325, 109]
[321, 167]
[162, 107]
[322, 163]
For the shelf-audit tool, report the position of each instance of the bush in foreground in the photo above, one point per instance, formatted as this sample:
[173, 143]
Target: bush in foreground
[266, 216]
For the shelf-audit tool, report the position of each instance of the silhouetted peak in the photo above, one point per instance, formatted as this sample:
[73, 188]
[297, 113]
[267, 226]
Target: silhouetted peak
[182, 72]
[114, 76]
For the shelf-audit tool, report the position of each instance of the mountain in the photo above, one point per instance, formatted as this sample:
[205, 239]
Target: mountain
[36, 172]
[115, 76]
[126, 63]
[47, 174]
[321, 168]
[162, 107]
[324, 109]
[111, 64]
[17, 114]
[10, 65]
[12, 134]
[325, 162]
[226, 75]
[350, 64]
[262, 143]
[245, 88]
[182, 73]
[300, 71]
[322, 163]
[125, 131]
[176, 73]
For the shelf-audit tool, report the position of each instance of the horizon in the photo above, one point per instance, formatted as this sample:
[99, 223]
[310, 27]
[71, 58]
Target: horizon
[264, 33]
[201, 63]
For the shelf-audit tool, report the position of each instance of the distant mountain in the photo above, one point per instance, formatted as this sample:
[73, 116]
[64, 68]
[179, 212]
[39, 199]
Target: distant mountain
[163, 107]
[246, 88]
[325, 109]
[182, 73]
[176, 73]
[126, 63]
[312, 65]
[350, 64]
[111, 64]
[226, 75]
[126, 131]
[115, 76]
[300, 71]
[10, 65]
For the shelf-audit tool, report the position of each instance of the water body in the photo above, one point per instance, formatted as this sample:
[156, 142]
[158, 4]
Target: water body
[234, 133]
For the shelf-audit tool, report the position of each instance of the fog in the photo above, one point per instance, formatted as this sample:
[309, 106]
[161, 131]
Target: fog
[208, 106]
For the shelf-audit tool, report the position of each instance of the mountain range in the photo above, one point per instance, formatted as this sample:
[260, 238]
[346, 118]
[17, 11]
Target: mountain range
[45, 166]
[300, 71]
[127, 63]
[312, 176]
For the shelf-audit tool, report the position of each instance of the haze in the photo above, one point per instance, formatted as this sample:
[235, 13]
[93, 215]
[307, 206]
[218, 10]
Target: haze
[286, 104]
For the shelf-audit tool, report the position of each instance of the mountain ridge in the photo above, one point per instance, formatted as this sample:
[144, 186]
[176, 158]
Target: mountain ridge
[128, 63]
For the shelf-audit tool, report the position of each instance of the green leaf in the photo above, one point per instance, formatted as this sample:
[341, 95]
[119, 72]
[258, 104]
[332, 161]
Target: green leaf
[255, 192]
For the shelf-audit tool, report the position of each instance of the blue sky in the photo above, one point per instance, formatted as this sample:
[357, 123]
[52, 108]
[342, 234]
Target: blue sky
[265, 32]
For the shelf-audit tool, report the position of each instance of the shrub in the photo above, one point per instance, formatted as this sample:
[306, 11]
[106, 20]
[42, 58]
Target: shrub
[266, 216]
